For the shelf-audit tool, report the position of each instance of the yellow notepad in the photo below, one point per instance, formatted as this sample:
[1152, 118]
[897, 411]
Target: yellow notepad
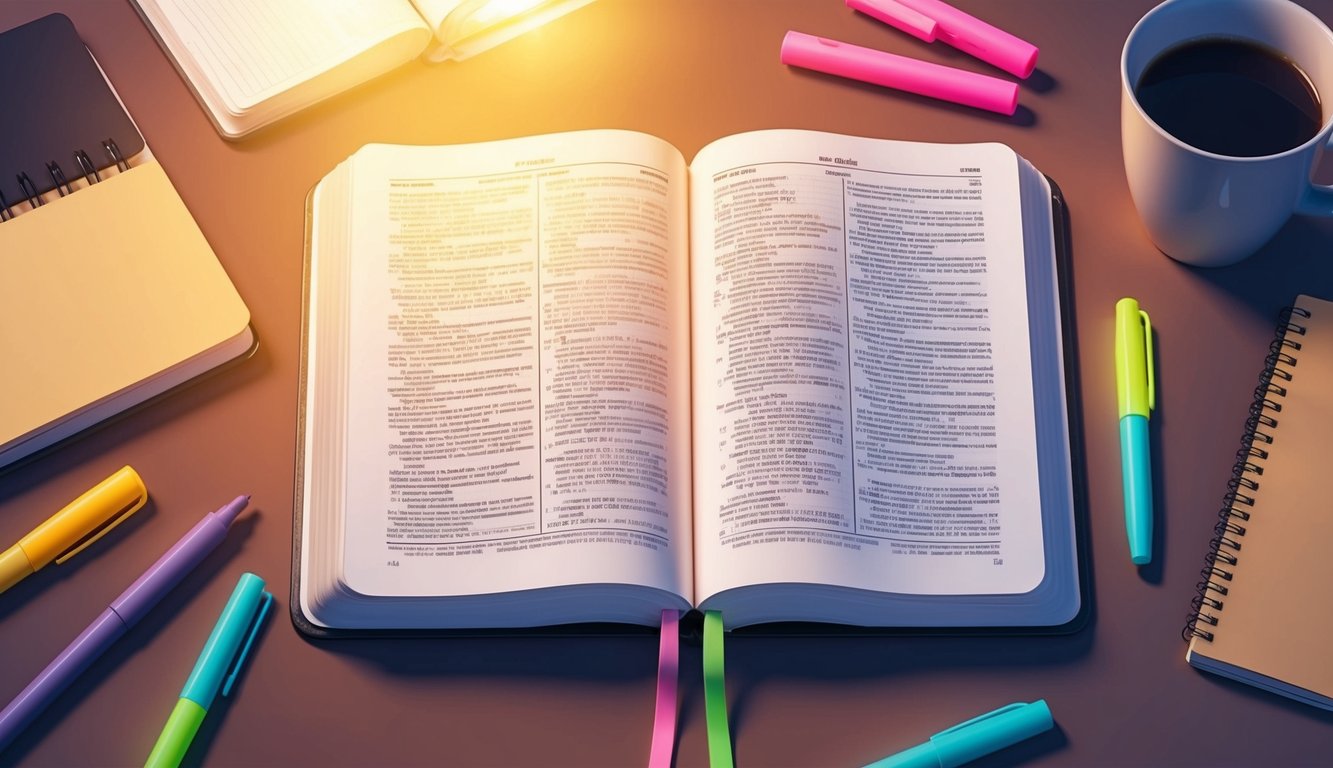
[108, 296]
[1260, 613]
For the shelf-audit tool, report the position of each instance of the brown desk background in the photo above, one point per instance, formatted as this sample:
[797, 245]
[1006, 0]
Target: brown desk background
[689, 72]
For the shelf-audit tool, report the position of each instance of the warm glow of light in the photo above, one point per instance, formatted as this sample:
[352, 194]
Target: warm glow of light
[498, 10]
[477, 25]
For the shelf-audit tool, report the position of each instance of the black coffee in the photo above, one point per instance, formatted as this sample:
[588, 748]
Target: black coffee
[1230, 97]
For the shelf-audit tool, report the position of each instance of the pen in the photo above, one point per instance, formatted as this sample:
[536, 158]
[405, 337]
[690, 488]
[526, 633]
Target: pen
[930, 20]
[124, 612]
[223, 655]
[901, 72]
[69, 531]
[975, 738]
[1136, 393]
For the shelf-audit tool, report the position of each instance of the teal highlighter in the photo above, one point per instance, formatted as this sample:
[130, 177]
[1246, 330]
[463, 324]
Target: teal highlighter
[222, 657]
[1136, 393]
[975, 738]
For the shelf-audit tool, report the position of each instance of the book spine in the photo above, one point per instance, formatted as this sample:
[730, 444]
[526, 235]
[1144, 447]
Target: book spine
[1219, 566]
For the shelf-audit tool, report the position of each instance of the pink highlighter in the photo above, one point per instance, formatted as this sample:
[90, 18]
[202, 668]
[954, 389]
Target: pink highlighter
[930, 20]
[900, 72]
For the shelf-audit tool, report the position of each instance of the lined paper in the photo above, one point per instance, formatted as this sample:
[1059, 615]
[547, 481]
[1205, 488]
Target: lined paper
[254, 49]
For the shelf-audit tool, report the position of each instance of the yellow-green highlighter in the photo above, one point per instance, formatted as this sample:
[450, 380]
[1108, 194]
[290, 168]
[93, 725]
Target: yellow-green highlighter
[1137, 396]
[222, 657]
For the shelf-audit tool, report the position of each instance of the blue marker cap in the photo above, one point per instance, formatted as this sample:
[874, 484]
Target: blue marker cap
[230, 641]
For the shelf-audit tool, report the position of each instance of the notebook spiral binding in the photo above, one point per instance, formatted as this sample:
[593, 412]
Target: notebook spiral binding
[1234, 517]
[60, 182]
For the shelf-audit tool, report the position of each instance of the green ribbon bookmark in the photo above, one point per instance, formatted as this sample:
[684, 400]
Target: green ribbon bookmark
[715, 693]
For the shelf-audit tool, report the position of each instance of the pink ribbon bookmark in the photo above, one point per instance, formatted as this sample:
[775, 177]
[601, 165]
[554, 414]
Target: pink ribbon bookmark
[668, 669]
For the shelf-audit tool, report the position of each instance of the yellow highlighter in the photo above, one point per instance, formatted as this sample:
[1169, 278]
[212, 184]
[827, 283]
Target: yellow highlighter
[67, 532]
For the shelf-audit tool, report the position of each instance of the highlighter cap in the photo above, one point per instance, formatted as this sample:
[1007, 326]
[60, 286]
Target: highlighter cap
[230, 641]
[86, 519]
[1134, 385]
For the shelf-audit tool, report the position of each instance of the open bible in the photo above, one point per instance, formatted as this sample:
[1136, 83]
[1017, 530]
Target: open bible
[570, 378]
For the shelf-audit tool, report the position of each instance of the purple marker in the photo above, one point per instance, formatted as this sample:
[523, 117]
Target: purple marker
[123, 613]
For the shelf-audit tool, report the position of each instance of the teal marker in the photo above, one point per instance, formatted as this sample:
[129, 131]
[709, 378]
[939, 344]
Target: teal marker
[222, 657]
[975, 738]
[1137, 395]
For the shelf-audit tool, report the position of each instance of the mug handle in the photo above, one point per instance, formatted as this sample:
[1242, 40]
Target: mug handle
[1318, 198]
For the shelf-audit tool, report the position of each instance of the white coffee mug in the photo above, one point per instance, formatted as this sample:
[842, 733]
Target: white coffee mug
[1203, 208]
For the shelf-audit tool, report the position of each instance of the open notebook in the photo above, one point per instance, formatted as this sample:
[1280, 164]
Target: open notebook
[251, 62]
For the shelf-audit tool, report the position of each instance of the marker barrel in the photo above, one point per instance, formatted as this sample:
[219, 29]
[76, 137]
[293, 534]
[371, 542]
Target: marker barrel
[899, 72]
[1136, 468]
[59, 674]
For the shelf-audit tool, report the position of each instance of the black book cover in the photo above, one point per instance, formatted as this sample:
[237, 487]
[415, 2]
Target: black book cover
[54, 102]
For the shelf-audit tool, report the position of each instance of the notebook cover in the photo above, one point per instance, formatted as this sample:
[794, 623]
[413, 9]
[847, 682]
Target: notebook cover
[55, 102]
[691, 627]
[102, 302]
[1272, 621]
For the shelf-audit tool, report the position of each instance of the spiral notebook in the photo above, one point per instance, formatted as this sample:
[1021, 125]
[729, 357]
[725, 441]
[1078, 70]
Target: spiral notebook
[1260, 613]
[109, 293]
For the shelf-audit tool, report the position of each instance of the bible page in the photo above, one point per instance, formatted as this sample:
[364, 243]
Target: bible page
[863, 387]
[518, 396]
